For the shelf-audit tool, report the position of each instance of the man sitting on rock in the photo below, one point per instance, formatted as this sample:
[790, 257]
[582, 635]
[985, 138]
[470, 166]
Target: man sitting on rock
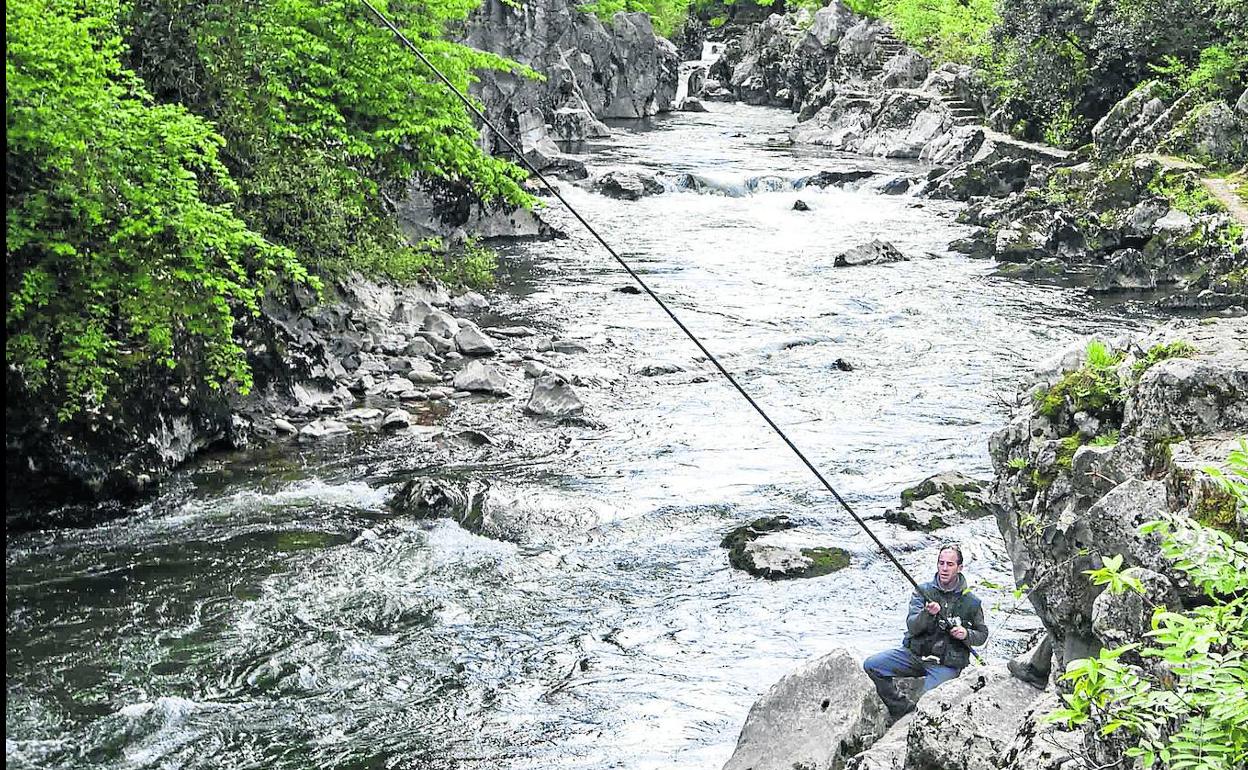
[942, 625]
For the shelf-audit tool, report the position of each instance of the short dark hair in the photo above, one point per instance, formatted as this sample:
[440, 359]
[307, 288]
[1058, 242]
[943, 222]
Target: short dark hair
[955, 547]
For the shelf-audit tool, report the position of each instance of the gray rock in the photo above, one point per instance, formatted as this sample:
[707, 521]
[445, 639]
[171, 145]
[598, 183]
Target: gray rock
[1127, 271]
[422, 372]
[510, 331]
[283, 426]
[561, 345]
[441, 343]
[801, 205]
[471, 342]
[440, 324]
[967, 723]
[319, 429]
[396, 420]
[905, 70]
[363, 414]
[783, 562]
[419, 347]
[480, 377]
[831, 23]
[1123, 618]
[816, 717]
[627, 185]
[873, 253]
[411, 312]
[572, 123]
[693, 104]
[469, 301]
[552, 396]
[939, 501]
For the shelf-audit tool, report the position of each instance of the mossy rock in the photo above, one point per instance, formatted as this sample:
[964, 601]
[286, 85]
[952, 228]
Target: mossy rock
[756, 529]
[940, 501]
[777, 562]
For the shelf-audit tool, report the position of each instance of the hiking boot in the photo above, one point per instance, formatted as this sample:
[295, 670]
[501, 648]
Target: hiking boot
[1027, 674]
[897, 712]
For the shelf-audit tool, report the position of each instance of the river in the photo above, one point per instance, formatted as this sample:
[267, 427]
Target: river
[266, 610]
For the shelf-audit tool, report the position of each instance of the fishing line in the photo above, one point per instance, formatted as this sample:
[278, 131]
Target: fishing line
[645, 287]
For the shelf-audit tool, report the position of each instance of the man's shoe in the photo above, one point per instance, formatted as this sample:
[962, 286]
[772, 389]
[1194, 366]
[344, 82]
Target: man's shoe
[897, 712]
[1027, 674]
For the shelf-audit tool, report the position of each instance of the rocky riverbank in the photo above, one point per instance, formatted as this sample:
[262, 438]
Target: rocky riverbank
[1119, 216]
[1105, 437]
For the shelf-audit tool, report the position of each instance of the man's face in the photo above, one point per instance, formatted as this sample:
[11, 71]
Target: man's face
[947, 567]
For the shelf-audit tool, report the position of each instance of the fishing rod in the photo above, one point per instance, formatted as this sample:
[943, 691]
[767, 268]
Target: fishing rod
[398, 33]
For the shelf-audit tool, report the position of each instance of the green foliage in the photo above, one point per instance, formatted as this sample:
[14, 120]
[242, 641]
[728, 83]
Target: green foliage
[323, 111]
[1185, 193]
[121, 248]
[1066, 449]
[1094, 388]
[947, 30]
[1187, 705]
[1220, 72]
[1017, 463]
[668, 16]
[1224, 511]
[1105, 439]
[1162, 352]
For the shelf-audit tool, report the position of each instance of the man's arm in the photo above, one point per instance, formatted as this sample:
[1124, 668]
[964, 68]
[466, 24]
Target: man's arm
[977, 629]
[918, 619]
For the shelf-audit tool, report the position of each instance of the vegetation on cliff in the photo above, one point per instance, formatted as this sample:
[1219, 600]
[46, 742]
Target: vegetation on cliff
[170, 161]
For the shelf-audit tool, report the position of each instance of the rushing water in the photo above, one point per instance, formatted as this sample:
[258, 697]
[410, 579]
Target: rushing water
[267, 610]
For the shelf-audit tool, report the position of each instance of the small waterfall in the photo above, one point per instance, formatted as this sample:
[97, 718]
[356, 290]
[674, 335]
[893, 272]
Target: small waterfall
[693, 73]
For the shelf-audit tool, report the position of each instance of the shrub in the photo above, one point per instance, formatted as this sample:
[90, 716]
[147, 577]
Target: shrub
[121, 249]
[1094, 387]
[1187, 706]
[1162, 352]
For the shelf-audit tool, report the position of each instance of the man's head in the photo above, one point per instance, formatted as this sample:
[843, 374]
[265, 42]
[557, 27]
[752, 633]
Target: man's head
[949, 563]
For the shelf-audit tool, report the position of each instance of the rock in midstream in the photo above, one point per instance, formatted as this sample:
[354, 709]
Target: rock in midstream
[940, 501]
[874, 253]
[480, 377]
[552, 396]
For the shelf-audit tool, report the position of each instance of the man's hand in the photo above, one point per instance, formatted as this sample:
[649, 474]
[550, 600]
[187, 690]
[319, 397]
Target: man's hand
[932, 608]
[958, 632]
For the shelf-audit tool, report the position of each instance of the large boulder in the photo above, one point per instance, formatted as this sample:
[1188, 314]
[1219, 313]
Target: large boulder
[968, 723]
[627, 185]
[816, 717]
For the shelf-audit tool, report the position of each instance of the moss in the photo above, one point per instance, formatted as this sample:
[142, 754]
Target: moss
[1216, 508]
[1158, 353]
[738, 537]
[1185, 193]
[1041, 480]
[1105, 439]
[1066, 449]
[825, 561]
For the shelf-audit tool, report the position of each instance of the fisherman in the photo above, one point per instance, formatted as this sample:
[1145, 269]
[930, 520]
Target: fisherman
[944, 622]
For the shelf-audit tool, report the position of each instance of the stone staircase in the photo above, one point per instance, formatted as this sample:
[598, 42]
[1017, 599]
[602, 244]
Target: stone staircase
[962, 112]
[887, 45]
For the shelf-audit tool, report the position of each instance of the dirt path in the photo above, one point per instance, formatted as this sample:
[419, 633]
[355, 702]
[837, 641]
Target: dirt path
[1223, 189]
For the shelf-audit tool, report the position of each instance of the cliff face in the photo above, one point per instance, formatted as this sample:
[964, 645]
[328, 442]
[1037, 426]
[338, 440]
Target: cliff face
[1093, 453]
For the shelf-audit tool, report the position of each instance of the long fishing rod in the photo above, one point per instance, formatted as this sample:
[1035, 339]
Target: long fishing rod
[398, 33]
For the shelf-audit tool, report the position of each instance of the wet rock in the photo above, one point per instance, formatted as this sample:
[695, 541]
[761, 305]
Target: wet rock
[874, 253]
[627, 289]
[510, 331]
[441, 344]
[837, 177]
[561, 345]
[940, 501]
[422, 372]
[397, 420]
[783, 562]
[967, 723]
[843, 365]
[1127, 271]
[627, 186]
[575, 123]
[658, 368]
[552, 396]
[898, 185]
[693, 104]
[816, 717]
[324, 428]
[363, 414]
[283, 426]
[480, 377]
[800, 205]
[429, 498]
[471, 342]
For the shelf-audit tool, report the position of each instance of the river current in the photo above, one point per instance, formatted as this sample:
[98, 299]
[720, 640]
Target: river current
[266, 610]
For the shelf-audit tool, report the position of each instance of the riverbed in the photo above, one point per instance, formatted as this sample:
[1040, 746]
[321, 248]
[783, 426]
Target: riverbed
[267, 609]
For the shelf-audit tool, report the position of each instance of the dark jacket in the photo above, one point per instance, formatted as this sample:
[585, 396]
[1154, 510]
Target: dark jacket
[924, 635]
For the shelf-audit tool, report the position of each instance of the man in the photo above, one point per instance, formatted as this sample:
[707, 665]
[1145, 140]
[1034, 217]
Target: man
[942, 625]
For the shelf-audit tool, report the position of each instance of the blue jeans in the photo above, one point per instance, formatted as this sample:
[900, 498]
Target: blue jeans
[882, 667]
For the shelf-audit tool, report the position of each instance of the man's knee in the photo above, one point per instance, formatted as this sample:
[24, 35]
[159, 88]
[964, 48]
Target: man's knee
[874, 665]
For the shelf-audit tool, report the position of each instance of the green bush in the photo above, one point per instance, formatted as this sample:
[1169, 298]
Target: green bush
[1186, 707]
[1094, 387]
[668, 16]
[1162, 352]
[121, 246]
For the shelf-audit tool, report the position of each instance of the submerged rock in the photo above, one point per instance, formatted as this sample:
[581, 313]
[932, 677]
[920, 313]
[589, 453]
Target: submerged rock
[873, 253]
[816, 717]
